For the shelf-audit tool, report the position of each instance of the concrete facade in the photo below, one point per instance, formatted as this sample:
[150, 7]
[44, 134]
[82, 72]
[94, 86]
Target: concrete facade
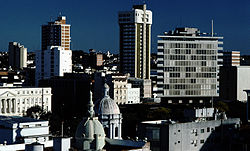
[187, 64]
[191, 136]
[133, 95]
[23, 130]
[53, 62]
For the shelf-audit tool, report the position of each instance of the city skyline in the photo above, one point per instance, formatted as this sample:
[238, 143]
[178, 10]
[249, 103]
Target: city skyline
[95, 24]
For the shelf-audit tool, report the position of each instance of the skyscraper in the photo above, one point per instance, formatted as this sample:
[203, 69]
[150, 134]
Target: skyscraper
[56, 33]
[55, 57]
[17, 55]
[188, 65]
[135, 41]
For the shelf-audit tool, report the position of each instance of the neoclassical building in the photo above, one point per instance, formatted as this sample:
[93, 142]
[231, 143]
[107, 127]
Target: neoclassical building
[110, 116]
[14, 101]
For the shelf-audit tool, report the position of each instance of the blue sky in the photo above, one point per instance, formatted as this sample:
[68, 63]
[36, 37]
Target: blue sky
[94, 23]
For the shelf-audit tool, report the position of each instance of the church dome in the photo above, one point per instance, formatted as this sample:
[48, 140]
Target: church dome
[90, 133]
[108, 105]
[88, 128]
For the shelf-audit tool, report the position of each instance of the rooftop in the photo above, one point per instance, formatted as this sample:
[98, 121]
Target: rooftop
[188, 32]
[16, 119]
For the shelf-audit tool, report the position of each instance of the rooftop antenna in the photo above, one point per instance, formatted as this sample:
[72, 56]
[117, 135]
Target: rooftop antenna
[212, 24]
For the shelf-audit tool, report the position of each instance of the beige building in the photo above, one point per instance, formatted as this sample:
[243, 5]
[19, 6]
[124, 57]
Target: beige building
[123, 91]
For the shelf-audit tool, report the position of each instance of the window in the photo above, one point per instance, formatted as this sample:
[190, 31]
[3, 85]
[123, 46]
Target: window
[179, 142]
[202, 130]
[202, 141]
[116, 132]
[25, 126]
[38, 125]
[208, 129]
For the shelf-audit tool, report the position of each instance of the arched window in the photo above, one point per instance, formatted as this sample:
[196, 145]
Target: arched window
[116, 131]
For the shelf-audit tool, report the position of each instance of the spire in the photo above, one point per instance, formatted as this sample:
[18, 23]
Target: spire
[106, 90]
[91, 107]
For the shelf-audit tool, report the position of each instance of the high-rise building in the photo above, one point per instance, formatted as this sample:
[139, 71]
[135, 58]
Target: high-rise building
[56, 33]
[17, 55]
[57, 61]
[135, 41]
[231, 58]
[188, 65]
[55, 58]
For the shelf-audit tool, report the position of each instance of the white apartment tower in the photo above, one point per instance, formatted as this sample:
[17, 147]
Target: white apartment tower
[17, 55]
[135, 41]
[188, 64]
[57, 61]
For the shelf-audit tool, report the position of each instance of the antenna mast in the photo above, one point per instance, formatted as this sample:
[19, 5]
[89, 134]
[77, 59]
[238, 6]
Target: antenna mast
[212, 23]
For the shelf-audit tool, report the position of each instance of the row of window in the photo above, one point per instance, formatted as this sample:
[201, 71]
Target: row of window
[189, 81]
[190, 69]
[201, 75]
[188, 57]
[190, 92]
[191, 63]
[36, 125]
[32, 92]
[189, 51]
[186, 87]
[188, 45]
[208, 129]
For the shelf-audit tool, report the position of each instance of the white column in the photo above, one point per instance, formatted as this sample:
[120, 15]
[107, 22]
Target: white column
[120, 128]
[113, 132]
[110, 131]
[4, 106]
[9, 101]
